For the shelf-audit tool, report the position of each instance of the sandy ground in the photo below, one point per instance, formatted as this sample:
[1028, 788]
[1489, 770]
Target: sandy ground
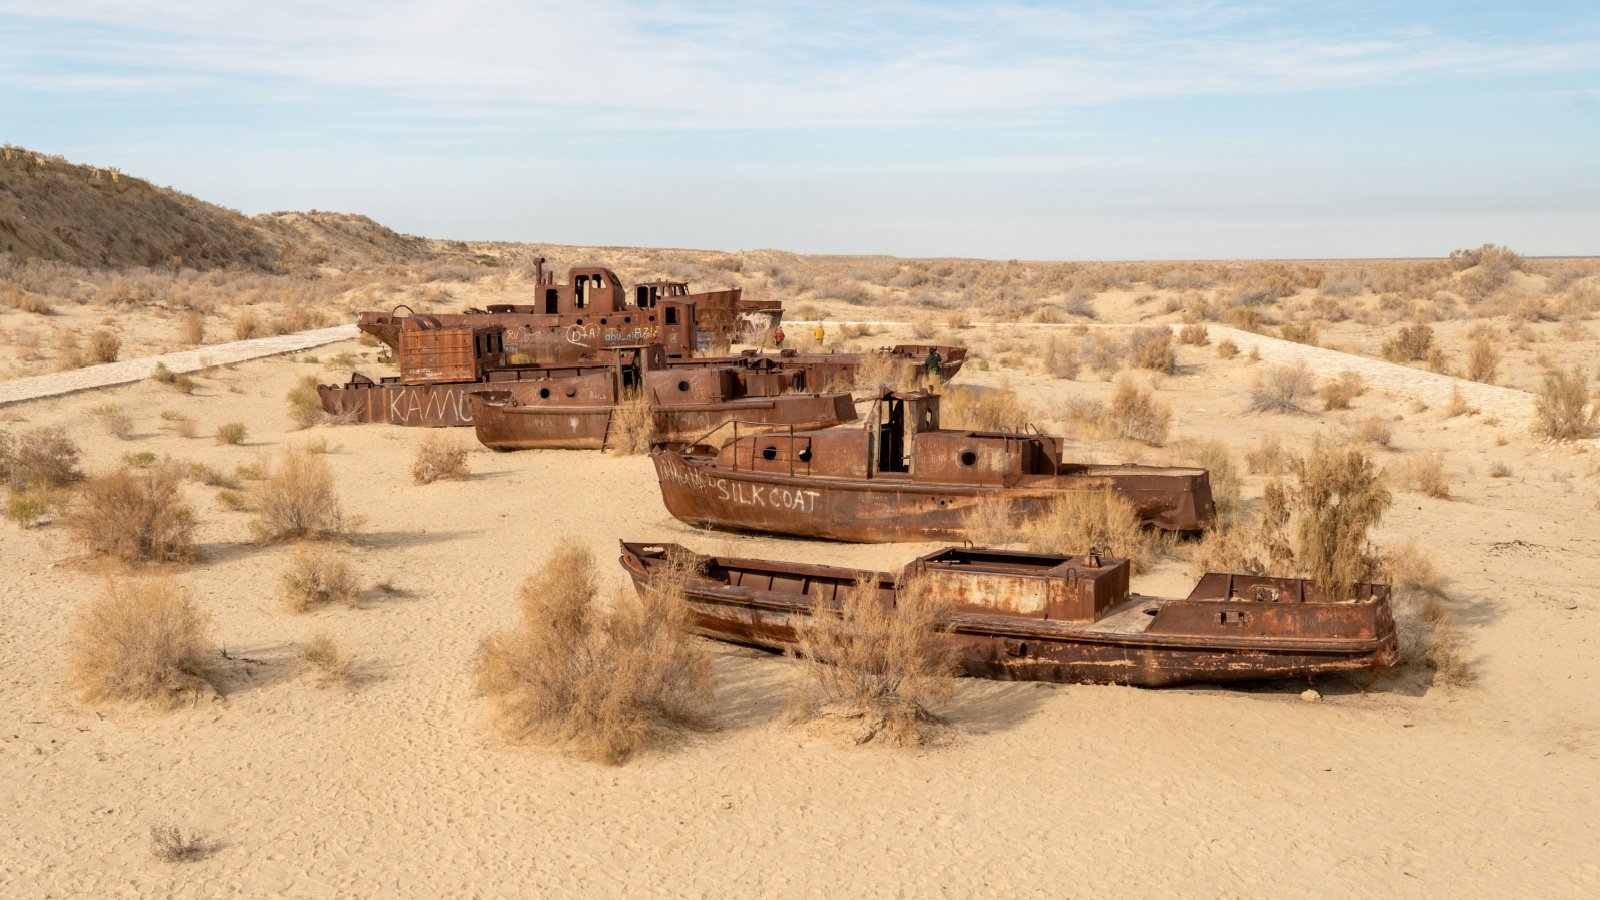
[397, 786]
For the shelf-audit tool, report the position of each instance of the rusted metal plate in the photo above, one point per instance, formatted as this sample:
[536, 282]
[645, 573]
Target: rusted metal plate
[902, 478]
[1099, 632]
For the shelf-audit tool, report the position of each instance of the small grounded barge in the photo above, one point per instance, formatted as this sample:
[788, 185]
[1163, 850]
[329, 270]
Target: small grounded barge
[902, 478]
[583, 411]
[1039, 617]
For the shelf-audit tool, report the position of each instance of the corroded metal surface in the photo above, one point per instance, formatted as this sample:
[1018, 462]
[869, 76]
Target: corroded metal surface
[902, 478]
[1040, 617]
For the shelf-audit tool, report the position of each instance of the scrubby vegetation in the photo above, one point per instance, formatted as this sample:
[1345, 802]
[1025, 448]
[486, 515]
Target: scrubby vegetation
[135, 517]
[633, 426]
[298, 500]
[140, 641]
[603, 683]
[1077, 521]
[438, 457]
[315, 576]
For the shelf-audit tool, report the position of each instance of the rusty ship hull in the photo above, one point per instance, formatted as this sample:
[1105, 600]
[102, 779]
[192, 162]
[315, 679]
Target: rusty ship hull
[506, 422]
[1222, 632]
[889, 507]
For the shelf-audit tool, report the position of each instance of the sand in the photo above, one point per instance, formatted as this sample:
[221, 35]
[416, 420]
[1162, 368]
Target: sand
[398, 786]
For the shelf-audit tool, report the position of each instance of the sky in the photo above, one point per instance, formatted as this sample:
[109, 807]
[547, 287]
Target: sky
[1001, 129]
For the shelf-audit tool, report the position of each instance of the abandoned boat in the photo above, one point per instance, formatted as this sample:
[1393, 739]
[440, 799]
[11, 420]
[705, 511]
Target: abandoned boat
[900, 477]
[1041, 617]
[585, 410]
[592, 311]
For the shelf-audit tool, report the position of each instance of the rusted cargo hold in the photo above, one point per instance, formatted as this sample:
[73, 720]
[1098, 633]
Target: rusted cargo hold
[1041, 617]
[583, 411]
[902, 478]
[592, 312]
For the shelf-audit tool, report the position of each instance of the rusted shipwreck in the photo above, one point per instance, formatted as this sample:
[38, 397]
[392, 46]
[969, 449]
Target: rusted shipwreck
[593, 311]
[900, 477]
[1042, 617]
[441, 365]
[585, 410]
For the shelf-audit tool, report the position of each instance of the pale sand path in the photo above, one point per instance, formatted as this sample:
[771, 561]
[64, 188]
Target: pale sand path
[1512, 406]
[128, 371]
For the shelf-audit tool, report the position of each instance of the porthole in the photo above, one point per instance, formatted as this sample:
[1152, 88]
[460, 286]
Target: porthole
[683, 385]
[544, 393]
[602, 320]
[580, 321]
[769, 452]
[968, 458]
[572, 392]
[627, 320]
[805, 455]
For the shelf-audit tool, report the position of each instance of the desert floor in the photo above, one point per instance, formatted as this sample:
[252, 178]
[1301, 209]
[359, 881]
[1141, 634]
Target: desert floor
[399, 785]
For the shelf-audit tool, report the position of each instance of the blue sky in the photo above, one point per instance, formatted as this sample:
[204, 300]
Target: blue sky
[1002, 129]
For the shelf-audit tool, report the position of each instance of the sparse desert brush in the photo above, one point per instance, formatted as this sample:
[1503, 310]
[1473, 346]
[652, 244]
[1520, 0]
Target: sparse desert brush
[28, 504]
[602, 683]
[991, 522]
[1562, 410]
[1422, 474]
[305, 404]
[231, 433]
[1077, 521]
[984, 408]
[1437, 361]
[1499, 469]
[1281, 389]
[161, 374]
[439, 457]
[923, 329]
[878, 373]
[177, 423]
[1268, 457]
[44, 454]
[315, 576]
[1339, 496]
[1458, 405]
[192, 329]
[247, 326]
[1411, 343]
[1484, 359]
[298, 500]
[1299, 332]
[958, 321]
[1133, 412]
[116, 423]
[69, 355]
[1151, 348]
[1060, 358]
[1427, 635]
[135, 517]
[1244, 318]
[1195, 334]
[1216, 458]
[170, 845]
[1079, 302]
[1336, 393]
[140, 641]
[1373, 430]
[323, 658]
[143, 459]
[233, 500]
[874, 667]
[104, 346]
[1227, 349]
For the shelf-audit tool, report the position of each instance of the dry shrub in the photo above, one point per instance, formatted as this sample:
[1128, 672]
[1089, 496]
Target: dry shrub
[1338, 497]
[1268, 457]
[1499, 469]
[1483, 360]
[232, 433]
[1104, 355]
[991, 522]
[330, 664]
[162, 375]
[192, 329]
[1194, 334]
[247, 326]
[1458, 405]
[104, 346]
[1562, 410]
[1411, 344]
[305, 405]
[1227, 349]
[923, 329]
[876, 668]
[117, 423]
[438, 457]
[1373, 430]
[1426, 633]
[1299, 332]
[170, 845]
[1077, 521]
[1151, 348]
[1133, 412]
[1422, 475]
[1281, 389]
[1227, 484]
[1336, 393]
[314, 576]
[135, 517]
[298, 500]
[601, 683]
[958, 321]
[633, 425]
[41, 455]
[1061, 358]
[975, 408]
[140, 641]
[1243, 318]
